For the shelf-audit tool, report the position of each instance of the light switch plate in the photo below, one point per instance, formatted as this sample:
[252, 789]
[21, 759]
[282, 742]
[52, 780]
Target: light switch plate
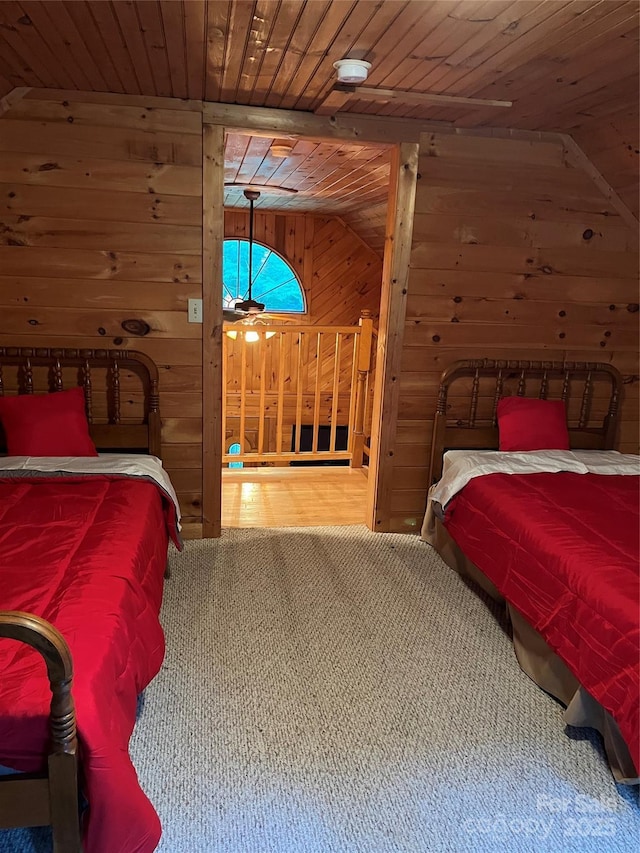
[195, 310]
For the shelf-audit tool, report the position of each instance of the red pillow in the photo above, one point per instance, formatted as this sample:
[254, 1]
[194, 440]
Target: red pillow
[47, 424]
[529, 424]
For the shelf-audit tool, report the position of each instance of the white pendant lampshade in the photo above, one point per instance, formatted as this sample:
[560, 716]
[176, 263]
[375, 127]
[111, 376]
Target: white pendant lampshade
[352, 70]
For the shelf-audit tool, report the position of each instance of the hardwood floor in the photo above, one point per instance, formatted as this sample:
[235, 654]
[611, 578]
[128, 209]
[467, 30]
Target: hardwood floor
[293, 497]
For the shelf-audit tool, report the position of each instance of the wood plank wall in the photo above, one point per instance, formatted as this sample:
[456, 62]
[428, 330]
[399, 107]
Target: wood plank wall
[515, 254]
[100, 222]
[340, 274]
[611, 143]
[369, 222]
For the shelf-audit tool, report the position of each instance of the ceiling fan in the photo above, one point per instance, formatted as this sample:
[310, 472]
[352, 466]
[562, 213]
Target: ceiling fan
[376, 94]
[246, 308]
[247, 312]
[265, 188]
[353, 72]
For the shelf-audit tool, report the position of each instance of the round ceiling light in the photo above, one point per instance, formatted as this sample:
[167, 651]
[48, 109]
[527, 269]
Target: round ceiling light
[352, 70]
[281, 149]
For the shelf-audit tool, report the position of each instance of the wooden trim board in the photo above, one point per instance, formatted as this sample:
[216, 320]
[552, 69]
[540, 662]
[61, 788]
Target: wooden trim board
[393, 309]
[12, 98]
[581, 161]
[212, 239]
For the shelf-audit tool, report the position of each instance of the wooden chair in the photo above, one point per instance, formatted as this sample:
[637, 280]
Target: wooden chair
[49, 798]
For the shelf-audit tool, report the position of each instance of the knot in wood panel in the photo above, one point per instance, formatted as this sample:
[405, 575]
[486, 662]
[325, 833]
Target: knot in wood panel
[136, 327]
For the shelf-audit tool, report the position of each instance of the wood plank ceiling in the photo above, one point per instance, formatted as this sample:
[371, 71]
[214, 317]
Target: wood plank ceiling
[567, 65]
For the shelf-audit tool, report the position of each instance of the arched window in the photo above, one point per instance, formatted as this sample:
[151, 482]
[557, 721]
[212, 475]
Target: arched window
[273, 282]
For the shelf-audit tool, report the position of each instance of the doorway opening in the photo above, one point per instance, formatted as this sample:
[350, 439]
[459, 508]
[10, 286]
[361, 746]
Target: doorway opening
[286, 393]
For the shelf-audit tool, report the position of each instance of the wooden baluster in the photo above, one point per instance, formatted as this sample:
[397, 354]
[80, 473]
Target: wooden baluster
[115, 384]
[497, 397]
[316, 395]
[243, 390]
[262, 343]
[299, 380]
[565, 386]
[57, 375]
[544, 386]
[336, 393]
[475, 388]
[28, 376]
[586, 399]
[521, 383]
[281, 378]
[1, 382]
[88, 390]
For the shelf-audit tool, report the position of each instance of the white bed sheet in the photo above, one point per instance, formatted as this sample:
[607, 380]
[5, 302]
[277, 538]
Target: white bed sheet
[461, 466]
[129, 464]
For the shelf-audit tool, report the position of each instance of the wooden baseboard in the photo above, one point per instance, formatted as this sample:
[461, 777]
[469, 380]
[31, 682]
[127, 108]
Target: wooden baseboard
[192, 530]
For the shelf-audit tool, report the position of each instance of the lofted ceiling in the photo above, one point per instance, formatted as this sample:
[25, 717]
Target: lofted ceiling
[566, 65]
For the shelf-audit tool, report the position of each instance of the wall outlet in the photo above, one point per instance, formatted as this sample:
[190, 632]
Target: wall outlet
[195, 310]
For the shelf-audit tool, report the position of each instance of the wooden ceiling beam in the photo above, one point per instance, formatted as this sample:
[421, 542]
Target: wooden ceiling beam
[374, 130]
[142, 101]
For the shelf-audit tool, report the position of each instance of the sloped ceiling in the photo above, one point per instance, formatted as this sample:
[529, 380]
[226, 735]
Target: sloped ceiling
[567, 65]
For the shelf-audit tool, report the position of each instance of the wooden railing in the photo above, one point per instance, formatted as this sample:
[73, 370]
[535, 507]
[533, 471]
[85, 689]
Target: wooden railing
[296, 378]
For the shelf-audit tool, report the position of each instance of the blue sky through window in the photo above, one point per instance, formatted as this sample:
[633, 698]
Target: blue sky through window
[273, 281]
[235, 448]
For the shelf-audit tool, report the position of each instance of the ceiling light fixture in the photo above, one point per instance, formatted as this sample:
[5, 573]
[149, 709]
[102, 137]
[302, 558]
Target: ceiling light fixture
[352, 70]
[249, 307]
[281, 149]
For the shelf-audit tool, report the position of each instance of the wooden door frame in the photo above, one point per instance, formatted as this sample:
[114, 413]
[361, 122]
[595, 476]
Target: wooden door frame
[393, 308]
[212, 241]
[219, 118]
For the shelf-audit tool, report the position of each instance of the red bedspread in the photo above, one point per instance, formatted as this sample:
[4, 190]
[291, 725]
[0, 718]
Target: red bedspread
[563, 549]
[87, 554]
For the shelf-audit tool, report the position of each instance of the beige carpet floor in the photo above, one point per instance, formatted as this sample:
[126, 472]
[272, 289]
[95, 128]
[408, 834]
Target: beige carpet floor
[329, 690]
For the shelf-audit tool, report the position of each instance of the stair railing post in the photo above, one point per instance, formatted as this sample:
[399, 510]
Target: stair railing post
[363, 368]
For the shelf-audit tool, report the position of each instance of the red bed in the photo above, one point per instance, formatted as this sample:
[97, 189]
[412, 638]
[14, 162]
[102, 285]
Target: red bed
[531, 501]
[87, 554]
[562, 548]
[83, 552]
